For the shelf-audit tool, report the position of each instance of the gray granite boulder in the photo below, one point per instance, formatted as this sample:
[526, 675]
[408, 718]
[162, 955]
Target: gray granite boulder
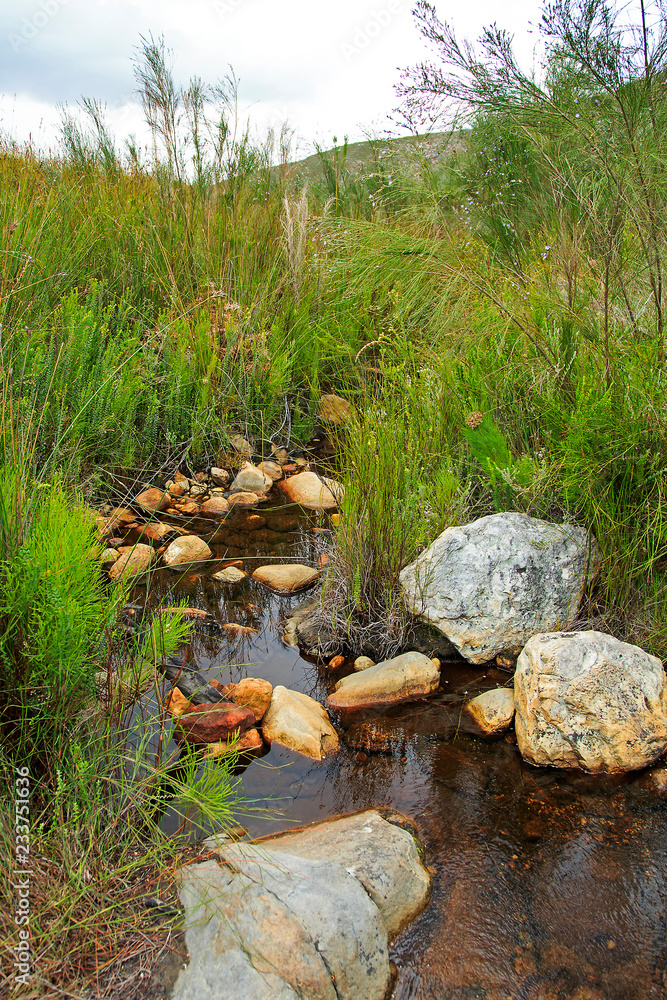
[492, 584]
[586, 700]
[303, 915]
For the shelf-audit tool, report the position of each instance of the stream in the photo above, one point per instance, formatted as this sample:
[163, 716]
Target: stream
[546, 884]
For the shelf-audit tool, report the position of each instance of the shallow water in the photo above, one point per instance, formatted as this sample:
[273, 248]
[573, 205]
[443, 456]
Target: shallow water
[545, 884]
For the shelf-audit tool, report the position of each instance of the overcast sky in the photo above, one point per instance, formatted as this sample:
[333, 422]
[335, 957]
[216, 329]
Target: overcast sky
[327, 68]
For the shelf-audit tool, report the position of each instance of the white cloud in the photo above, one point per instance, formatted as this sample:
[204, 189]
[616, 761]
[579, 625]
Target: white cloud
[329, 68]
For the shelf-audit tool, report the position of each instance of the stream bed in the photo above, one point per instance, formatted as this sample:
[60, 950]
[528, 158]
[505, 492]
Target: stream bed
[546, 884]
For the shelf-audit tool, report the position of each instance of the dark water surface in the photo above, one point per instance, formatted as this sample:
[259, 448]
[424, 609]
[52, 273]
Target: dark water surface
[545, 884]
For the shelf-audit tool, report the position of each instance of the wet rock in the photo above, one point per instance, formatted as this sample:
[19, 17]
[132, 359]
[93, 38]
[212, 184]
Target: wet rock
[189, 549]
[230, 575]
[154, 499]
[313, 636]
[132, 562]
[380, 854]
[336, 662]
[188, 508]
[310, 491]
[239, 444]
[253, 693]
[155, 533]
[586, 700]
[244, 499]
[264, 536]
[404, 678]
[108, 558]
[492, 712]
[272, 470]
[492, 584]
[215, 508]
[176, 703]
[117, 519]
[282, 927]
[251, 480]
[334, 410]
[286, 579]
[299, 723]
[248, 742]
[363, 663]
[248, 522]
[289, 634]
[211, 723]
[219, 476]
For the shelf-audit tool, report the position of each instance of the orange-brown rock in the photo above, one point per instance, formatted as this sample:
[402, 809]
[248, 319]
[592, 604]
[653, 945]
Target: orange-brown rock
[336, 661]
[155, 533]
[215, 508]
[188, 508]
[252, 692]
[264, 536]
[286, 579]
[243, 499]
[176, 703]
[248, 522]
[282, 522]
[308, 490]
[248, 742]
[211, 723]
[154, 499]
[133, 561]
[117, 522]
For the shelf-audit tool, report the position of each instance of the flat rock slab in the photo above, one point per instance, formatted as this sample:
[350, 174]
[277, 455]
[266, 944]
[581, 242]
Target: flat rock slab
[492, 584]
[275, 926]
[586, 700]
[299, 723]
[380, 854]
[286, 579]
[404, 678]
[492, 712]
[309, 490]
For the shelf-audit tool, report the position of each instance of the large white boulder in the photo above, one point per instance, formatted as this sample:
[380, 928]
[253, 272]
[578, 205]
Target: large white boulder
[586, 700]
[492, 584]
